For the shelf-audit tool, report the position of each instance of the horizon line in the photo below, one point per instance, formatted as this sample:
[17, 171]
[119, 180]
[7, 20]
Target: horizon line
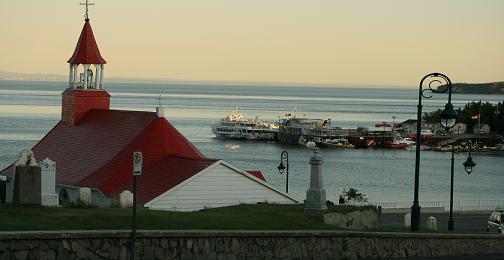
[157, 80]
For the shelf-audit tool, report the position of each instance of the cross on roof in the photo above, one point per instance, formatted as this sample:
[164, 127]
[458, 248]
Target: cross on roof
[87, 5]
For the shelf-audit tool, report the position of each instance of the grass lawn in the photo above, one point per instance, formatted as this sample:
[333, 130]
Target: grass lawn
[241, 217]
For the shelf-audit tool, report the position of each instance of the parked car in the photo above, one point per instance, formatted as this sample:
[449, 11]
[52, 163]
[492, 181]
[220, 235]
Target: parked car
[496, 222]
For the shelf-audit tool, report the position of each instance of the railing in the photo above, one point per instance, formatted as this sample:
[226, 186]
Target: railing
[458, 206]
[80, 85]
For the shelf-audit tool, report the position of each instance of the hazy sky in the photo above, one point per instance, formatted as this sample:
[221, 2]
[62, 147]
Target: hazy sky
[350, 41]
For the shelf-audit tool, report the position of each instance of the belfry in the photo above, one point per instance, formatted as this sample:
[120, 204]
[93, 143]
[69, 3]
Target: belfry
[85, 84]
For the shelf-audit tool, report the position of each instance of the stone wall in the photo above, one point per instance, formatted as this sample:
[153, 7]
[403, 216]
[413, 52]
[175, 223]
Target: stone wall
[242, 245]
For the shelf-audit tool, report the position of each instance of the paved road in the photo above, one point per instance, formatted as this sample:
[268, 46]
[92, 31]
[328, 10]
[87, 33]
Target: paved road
[464, 222]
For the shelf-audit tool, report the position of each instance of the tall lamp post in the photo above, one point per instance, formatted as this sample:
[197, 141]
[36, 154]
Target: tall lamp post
[448, 119]
[468, 167]
[450, 220]
[281, 167]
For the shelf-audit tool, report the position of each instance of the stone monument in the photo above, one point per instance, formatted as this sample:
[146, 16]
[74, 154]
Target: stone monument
[85, 195]
[126, 199]
[27, 184]
[316, 195]
[432, 223]
[407, 220]
[48, 183]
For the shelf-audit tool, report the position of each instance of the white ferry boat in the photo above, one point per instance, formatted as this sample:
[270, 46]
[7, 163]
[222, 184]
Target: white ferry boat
[236, 126]
[294, 128]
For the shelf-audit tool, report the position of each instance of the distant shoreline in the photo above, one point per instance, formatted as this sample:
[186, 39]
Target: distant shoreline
[476, 88]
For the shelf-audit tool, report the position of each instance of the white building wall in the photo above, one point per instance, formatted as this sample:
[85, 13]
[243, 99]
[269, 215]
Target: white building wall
[217, 186]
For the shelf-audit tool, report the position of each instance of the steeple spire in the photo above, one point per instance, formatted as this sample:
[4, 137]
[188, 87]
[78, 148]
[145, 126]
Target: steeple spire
[85, 82]
[87, 5]
[88, 55]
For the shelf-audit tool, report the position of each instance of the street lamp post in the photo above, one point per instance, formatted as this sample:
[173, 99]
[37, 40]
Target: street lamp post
[448, 119]
[469, 164]
[468, 167]
[281, 167]
[451, 224]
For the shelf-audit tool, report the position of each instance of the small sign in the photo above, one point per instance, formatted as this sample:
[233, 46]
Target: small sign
[137, 163]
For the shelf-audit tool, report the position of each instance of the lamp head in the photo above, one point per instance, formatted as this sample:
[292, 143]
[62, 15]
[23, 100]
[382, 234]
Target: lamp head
[281, 168]
[469, 165]
[448, 117]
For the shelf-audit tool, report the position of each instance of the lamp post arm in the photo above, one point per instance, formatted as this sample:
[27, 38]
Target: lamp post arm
[449, 89]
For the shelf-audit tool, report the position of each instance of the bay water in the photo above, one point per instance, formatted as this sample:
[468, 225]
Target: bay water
[28, 110]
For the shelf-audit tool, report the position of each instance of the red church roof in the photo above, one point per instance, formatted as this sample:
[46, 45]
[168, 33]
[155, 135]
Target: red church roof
[86, 51]
[97, 153]
[258, 174]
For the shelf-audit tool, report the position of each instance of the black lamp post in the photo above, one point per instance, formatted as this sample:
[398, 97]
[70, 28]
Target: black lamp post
[468, 167]
[448, 119]
[469, 164]
[281, 167]
[450, 220]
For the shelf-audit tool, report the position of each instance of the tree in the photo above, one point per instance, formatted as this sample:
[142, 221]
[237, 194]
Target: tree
[432, 117]
[355, 195]
[490, 114]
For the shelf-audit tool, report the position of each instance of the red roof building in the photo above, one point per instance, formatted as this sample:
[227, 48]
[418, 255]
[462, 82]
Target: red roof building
[93, 147]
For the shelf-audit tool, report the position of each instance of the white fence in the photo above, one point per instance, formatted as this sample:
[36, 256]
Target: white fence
[458, 206]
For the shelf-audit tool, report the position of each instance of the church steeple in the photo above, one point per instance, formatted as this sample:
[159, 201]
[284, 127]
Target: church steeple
[87, 54]
[85, 91]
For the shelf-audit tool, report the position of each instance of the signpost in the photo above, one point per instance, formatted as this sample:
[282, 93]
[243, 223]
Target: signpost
[137, 171]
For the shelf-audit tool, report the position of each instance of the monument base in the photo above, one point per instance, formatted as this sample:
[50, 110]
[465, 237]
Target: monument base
[315, 200]
[50, 200]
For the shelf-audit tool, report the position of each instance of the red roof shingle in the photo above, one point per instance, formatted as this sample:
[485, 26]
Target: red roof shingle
[86, 51]
[97, 153]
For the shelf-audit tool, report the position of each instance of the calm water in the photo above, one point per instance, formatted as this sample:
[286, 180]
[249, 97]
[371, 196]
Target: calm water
[28, 110]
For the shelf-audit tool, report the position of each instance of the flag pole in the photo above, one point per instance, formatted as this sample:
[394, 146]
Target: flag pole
[479, 124]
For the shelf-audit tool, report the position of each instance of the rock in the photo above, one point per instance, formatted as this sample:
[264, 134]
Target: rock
[23, 254]
[126, 199]
[354, 220]
[407, 220]
[432, 223]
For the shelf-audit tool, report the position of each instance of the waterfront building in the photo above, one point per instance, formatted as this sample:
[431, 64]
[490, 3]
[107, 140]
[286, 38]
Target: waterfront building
[410, 126]
[481, 128]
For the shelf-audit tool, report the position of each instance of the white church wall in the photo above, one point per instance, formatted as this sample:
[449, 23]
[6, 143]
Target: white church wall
[72, 194]
[100, 200]
[217, 186]
[97, 197]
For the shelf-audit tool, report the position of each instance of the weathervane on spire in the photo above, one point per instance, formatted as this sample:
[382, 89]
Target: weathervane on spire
[87, 5]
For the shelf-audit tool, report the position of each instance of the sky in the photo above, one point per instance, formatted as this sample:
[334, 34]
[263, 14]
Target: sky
[388, 42]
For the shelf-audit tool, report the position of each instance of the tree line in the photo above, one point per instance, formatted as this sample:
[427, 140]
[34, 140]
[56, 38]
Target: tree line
[491, 114]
